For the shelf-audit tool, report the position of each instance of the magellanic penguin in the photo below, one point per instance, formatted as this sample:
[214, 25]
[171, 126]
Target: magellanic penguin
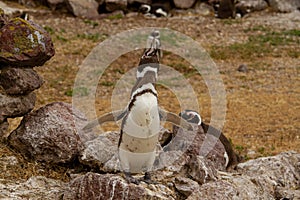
[155, 9]
[141, 119]
[231, 158]
[141, 124]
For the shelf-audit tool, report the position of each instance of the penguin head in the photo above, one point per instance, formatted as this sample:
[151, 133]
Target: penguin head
[160, 12]
[155, 34]
[191, 116]
[145, 8]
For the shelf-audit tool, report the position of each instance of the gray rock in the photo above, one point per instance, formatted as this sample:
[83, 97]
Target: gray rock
[98, 151]
[49, 134]
[216, 190]
[186, 186]
[24, 43]
[284, 6]
[247, 6]
[53, 4]
[37, 187]
[15, 106]
[198, 143]
[84, 9]
[19, 81]
[184, 4]
[110, 186]
[204, 9]
[113, 5]
[200, 170]
[280, 171]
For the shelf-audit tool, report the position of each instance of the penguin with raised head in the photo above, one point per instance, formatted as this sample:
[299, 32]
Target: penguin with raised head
[141, 124]
[141, 119]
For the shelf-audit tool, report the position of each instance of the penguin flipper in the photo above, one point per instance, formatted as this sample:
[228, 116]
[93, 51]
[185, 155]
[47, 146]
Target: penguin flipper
[174, 119]
[108, 117]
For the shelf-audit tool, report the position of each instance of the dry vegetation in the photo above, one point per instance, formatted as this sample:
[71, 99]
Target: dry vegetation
[262, 104]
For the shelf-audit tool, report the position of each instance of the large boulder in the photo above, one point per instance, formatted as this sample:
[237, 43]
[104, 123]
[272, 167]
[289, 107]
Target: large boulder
[19, 81]
[197, 143]
[15, 106]
[284, 6]
[49, 134]
[111, 186]
[275, 174]
[184, 4]
[24, 43]
[84, 9]
[275, 177]
[36, 187]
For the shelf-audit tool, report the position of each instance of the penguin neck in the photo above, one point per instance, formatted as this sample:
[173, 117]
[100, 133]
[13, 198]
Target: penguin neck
[147, 81]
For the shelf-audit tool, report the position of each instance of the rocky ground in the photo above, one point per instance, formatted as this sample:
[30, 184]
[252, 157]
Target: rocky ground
[263, 106]
[262, 117]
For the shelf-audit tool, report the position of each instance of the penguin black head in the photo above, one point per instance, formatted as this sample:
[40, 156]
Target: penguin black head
[191, 116]
[145, 9]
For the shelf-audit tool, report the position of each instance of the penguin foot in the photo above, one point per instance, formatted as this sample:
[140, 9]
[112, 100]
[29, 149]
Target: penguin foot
[131, 179]
[147, 178]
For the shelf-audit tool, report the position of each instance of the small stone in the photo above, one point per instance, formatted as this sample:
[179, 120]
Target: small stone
[243, 68]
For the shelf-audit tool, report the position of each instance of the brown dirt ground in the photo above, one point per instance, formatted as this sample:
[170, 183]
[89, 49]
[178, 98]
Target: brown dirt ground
[263, 107]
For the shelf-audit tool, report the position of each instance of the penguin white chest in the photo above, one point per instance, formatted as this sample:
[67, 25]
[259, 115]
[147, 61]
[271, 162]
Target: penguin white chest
[140, 132]
[143, 119]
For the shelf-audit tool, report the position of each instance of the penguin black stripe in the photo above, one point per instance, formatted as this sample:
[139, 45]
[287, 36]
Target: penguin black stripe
[131, 103]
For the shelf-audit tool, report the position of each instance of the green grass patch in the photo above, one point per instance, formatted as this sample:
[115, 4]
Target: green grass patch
[49, 30]
[91, 22]
[116, 16]
[93, 37]
[80, 91]
[61, 38]
[261, 45]
[107, 83]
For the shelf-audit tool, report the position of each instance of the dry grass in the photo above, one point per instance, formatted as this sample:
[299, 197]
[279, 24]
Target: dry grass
[262, 105]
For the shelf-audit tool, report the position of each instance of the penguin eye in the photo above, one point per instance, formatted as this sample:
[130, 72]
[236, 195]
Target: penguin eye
[191, 116]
